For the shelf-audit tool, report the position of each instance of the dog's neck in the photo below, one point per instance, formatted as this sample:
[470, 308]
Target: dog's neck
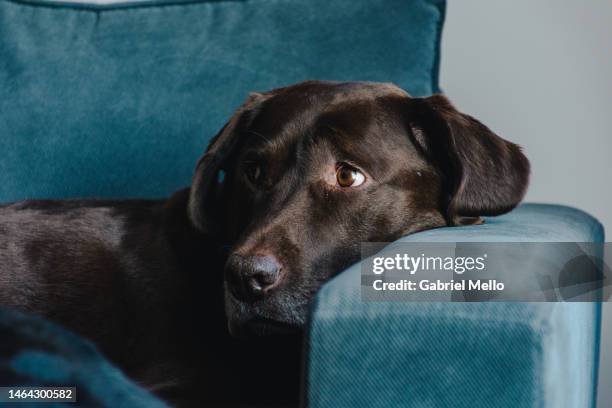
[230, 363]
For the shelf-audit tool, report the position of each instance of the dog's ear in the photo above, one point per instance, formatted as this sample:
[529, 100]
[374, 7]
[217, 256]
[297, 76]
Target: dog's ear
[205, 183]
[482, 173]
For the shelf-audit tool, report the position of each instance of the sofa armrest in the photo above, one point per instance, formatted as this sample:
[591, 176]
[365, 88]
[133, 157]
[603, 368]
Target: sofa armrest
[376, 354]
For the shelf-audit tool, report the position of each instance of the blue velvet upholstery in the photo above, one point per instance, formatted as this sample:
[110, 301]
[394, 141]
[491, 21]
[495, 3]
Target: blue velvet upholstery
[120, 101]
[368, 354]
[34, 352]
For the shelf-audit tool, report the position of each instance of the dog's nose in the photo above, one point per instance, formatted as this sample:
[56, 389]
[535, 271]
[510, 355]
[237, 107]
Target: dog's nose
[250, 277]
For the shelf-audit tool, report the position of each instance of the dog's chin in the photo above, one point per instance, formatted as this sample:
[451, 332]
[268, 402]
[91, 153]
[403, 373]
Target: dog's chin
[246, 320]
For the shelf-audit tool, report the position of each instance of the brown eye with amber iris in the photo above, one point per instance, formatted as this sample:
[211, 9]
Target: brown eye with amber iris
[348, 176]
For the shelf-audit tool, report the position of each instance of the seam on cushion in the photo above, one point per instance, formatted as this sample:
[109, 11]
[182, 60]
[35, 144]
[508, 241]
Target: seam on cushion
[435, 74]
[596, 356]
[537, 324]
[306, 372]
[121, 5]
[538, 328]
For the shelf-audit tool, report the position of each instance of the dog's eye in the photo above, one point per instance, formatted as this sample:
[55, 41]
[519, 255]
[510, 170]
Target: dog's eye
[253, 172]
[348, 176]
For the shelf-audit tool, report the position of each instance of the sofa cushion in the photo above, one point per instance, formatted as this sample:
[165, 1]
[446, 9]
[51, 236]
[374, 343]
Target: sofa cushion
[121, 100]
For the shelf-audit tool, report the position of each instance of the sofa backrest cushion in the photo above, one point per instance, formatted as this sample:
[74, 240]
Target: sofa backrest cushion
[120, 100]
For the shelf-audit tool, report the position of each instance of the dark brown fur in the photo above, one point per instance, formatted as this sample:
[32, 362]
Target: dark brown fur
[144, 279]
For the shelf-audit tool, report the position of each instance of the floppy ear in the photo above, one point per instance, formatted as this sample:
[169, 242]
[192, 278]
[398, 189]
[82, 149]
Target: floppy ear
[205, 183]
[483, 174]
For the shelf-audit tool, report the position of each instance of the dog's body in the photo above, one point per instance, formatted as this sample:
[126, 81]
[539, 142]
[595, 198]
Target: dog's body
[311, 171]
[139, 281]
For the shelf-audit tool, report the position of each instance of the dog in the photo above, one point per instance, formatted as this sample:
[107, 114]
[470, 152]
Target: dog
[280, 202]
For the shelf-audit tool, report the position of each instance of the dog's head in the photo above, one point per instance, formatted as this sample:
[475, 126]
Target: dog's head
[311, 171]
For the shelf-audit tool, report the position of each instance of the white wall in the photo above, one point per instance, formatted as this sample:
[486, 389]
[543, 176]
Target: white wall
[539, 73]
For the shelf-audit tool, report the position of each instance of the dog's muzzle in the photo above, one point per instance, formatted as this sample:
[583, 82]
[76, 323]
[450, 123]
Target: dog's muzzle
[251, 278]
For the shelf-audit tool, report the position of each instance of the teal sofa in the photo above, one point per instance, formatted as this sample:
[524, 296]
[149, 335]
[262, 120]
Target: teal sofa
[120, 100]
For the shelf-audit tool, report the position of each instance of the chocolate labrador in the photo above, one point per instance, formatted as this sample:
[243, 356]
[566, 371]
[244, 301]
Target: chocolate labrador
[279, 203]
